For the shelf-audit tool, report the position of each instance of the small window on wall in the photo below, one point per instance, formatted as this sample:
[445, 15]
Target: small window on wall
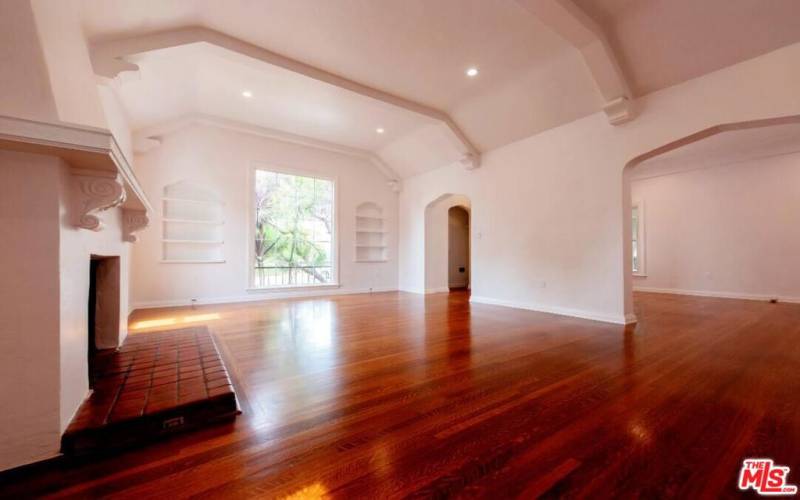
[293, 231]
[637, 221]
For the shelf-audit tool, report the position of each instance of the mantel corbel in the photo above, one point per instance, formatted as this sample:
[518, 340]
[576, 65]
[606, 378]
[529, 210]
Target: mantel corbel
[133, 220]
[94, 191]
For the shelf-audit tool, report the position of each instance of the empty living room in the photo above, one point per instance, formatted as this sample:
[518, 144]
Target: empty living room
[306, 249]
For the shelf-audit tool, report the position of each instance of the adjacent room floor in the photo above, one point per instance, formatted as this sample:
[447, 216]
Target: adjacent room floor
[395, 394]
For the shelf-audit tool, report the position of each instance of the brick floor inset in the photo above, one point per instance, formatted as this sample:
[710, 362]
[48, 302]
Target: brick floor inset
[155, 384]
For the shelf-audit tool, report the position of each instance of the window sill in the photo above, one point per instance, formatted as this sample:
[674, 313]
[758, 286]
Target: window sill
[290, 288]
[640, 275]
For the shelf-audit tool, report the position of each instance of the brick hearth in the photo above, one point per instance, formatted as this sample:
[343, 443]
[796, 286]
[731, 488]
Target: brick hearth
[156, 383]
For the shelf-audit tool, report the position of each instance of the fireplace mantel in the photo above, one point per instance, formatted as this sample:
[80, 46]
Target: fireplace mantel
[101, 175]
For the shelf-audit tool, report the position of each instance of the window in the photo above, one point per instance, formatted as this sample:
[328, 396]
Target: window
[294, 230]
[637, 220]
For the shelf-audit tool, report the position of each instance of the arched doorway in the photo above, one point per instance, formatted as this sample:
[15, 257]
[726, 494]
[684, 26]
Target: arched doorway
[458, 247]
[721, 141]
[437, 242]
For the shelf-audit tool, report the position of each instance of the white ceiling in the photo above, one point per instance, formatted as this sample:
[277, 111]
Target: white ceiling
[724, 148]
[661, 43]
[530, 79]
[200, 78]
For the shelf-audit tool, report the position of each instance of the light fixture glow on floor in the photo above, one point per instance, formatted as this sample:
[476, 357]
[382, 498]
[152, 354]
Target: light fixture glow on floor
[193, 318]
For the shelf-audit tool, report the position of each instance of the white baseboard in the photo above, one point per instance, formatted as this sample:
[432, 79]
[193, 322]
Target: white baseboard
[561, 311]
[255, 297]
[719, 295]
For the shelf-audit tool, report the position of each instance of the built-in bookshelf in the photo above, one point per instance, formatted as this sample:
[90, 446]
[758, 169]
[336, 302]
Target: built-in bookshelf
[370, 234]
[192, 219]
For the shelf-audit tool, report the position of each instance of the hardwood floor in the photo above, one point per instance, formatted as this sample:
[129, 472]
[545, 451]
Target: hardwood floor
[395, 395]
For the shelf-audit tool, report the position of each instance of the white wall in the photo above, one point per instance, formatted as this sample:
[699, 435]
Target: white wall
[221, 159]
[29, 302]
[117, 120]
[729, 230]
[69, 67]
[548, 230]
[458, 247]
[24, 85]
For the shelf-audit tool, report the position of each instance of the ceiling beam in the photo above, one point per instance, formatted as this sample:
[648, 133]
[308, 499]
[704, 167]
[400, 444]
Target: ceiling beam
[583, 33]
[108, 60]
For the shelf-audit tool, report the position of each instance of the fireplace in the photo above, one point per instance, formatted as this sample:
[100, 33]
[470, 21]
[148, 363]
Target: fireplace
[104, 308]
[152, 385]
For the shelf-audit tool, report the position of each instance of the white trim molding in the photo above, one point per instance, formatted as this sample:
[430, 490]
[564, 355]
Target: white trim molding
[102, 178]
[85, 148]
[719, 295]
[257, 297]
[149, 138]
[560, 311]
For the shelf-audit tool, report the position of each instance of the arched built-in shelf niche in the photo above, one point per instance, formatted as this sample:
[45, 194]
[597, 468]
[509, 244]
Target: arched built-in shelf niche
[192, 219]
[370, 233]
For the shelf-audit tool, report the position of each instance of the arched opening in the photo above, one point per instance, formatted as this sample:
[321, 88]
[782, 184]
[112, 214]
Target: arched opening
[458, 248]
[707, 224]
[438, 242]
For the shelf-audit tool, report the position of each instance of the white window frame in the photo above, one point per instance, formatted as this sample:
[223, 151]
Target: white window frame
[640, 239]
[251, 223]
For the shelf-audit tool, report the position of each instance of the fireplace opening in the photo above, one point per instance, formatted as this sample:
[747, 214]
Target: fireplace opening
[104, 312]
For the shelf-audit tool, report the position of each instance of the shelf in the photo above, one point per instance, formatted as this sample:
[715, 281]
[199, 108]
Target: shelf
[190, 221]
[195, 242]
[199, 202]
[370, 244]
[163, 261]
[193, 228]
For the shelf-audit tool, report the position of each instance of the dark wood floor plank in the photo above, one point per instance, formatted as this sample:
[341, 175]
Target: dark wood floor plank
[397, 395]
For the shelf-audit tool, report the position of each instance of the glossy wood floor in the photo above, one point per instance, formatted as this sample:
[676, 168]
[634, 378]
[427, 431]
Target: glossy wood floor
[395, 395]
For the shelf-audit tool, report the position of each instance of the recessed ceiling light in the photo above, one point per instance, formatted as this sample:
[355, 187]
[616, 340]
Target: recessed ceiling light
[379, 130]
[471, 72]
[247, 93]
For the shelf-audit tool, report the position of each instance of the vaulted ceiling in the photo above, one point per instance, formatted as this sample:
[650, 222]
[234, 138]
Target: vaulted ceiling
[531, 76]
[661, 43]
